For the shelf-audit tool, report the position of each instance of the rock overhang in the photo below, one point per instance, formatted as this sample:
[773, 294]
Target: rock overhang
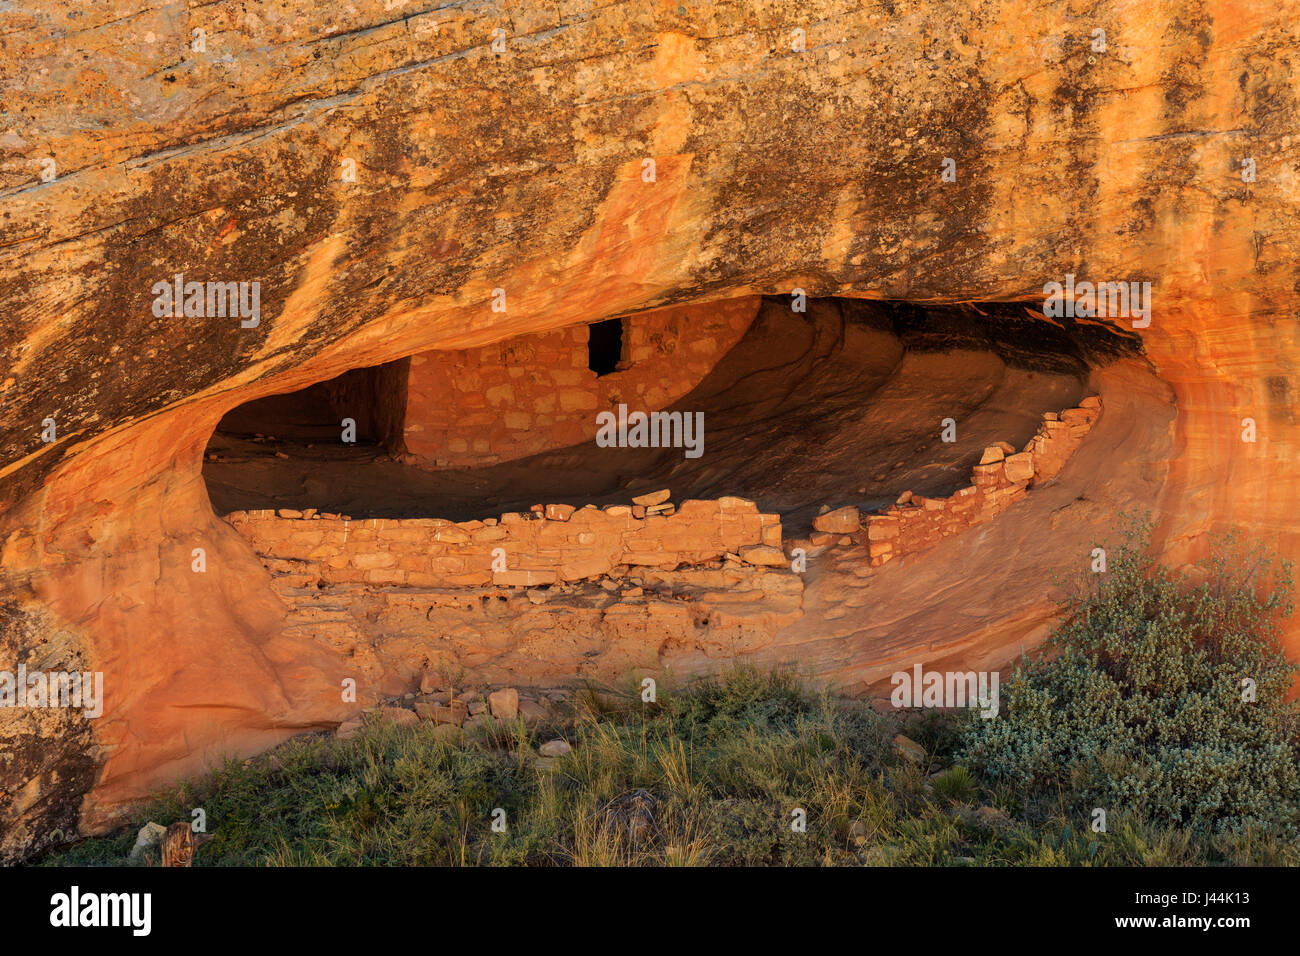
[769, 176]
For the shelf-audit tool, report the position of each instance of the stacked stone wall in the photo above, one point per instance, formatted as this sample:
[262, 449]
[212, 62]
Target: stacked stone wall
[532, 393]
[1002, 478]
[549, 545]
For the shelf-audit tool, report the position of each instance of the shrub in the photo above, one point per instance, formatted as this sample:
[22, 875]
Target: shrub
[1140, 708]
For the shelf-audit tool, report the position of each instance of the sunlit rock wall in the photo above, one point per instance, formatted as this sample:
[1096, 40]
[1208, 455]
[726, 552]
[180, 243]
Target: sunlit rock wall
[380, 167]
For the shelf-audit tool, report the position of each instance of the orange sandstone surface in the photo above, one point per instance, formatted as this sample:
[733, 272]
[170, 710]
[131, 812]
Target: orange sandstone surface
[402, 192]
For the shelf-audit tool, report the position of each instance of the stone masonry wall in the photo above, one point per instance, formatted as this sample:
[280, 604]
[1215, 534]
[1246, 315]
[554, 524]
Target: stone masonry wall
[649, 586]
[552, 544]
[1000, 479]
[535, 392]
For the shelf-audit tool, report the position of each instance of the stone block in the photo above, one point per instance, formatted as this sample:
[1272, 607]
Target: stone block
[504, 704]
[762, 555]
[881, 528]
[1019, 468]
[844, 520]
[653, 498]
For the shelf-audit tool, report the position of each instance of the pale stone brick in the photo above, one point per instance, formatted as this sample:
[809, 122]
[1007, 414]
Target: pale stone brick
[1019, 467]
[763, 555]
[844, 520]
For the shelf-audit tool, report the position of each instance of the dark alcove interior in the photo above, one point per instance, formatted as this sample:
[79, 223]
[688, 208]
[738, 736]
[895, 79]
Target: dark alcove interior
[843, 403]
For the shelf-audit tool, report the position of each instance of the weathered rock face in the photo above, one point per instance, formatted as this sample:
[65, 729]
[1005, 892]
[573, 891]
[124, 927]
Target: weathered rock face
[382, 170]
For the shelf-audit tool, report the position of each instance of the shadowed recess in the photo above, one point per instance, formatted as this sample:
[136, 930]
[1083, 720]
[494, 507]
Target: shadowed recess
[844, 403]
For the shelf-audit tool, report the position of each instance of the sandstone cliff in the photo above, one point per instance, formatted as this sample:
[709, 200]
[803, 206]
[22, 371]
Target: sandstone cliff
[382, 167]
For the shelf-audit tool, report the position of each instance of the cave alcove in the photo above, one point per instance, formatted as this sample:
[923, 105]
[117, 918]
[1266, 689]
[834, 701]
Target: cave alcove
[841, 404]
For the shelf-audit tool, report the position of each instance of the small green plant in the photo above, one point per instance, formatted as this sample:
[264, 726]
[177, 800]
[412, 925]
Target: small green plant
[956, 784]
[1167, 698]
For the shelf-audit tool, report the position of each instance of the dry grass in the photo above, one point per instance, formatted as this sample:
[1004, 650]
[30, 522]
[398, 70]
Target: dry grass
[708, 776]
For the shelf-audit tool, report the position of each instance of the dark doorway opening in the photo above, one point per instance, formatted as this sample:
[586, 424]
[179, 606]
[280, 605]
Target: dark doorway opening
[604, 346]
